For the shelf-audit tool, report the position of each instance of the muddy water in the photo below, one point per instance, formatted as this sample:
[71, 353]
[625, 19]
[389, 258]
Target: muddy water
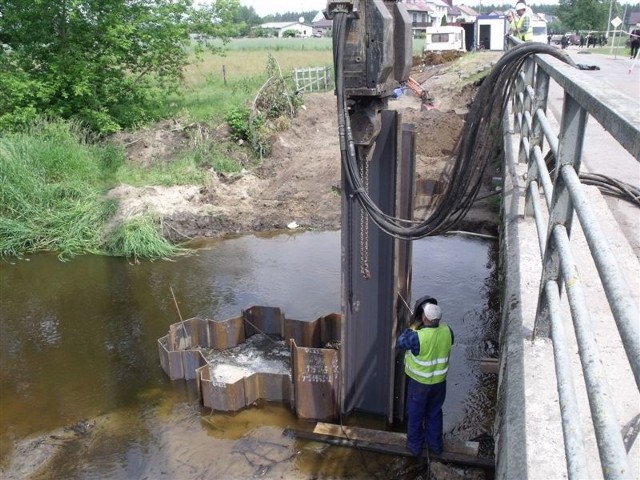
[82, 393]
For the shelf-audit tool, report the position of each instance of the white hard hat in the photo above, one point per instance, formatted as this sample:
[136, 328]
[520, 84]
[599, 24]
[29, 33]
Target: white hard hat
[432, 312]
[520, 6]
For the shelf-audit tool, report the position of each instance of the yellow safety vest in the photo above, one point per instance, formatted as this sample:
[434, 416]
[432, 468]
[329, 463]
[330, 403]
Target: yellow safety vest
[528, 35]
[430, 366]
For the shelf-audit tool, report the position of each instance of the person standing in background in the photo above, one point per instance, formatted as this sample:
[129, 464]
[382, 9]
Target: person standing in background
[524, 24]
[511, 24]
[635, 40]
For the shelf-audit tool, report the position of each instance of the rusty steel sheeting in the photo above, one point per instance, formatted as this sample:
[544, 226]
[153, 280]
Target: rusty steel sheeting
[225, 397]
[234, 396]
[178, 364]
[188, 334]
[266, 320]
[318, 368]
[272, 387]
[163, 353]
[191, 361]
[303, 332]
[227, 333]
[316, 380]
[197, 327]
[330, 326]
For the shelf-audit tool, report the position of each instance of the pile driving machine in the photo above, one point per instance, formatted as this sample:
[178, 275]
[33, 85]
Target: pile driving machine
[372, 47]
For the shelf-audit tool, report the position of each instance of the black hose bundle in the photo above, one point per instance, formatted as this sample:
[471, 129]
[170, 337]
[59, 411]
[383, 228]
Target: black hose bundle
[607, 185]
[612, 187]
[481, 140]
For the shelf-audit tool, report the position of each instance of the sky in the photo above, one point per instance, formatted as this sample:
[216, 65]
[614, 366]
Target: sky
[267, 7]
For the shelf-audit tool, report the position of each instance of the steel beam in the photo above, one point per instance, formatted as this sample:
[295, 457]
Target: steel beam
[370, 272]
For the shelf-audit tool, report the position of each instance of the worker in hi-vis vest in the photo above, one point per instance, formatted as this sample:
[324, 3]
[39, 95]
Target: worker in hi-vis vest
[525, 22]
[426, 362]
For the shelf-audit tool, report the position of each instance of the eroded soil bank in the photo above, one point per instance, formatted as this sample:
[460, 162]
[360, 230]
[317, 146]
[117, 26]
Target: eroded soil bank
[300, 181]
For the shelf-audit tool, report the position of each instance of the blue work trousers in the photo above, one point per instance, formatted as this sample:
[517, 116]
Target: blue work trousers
[424, 416]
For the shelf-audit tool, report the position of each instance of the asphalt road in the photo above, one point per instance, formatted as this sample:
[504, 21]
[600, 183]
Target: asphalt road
[602, 154]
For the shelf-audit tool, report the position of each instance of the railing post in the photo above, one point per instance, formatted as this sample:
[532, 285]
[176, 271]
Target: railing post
[519, 86]
[536, 136]
[571, 139]
[540, 102]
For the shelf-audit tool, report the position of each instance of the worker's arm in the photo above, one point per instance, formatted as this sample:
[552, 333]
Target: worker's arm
[525, 25]
[408, 340]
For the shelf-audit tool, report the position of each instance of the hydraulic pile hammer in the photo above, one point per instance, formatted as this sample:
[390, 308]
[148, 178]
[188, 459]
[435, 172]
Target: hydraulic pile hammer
[372, 45]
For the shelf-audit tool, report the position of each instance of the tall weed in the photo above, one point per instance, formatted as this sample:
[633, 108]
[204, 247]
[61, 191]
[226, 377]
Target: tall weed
[138, 238]
[51, 184]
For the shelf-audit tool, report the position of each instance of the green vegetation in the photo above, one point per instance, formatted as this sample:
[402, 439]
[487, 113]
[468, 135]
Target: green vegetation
[583, 14]
[54, 173]
[108, 64]
[51, 179]
[138, 238]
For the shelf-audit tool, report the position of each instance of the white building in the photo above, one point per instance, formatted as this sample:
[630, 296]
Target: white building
[490, 30]
[279, 28]
[440, 9]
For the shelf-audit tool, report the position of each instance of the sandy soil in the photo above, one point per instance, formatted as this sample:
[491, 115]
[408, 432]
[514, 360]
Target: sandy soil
[299, 184]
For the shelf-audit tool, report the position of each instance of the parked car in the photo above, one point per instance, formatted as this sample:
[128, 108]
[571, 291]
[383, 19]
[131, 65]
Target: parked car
[572, 38]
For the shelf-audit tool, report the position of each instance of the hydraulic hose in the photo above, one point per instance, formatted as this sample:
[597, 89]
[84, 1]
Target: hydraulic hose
[479, 142]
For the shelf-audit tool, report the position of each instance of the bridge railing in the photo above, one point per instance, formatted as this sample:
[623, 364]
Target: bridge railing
[553, 194]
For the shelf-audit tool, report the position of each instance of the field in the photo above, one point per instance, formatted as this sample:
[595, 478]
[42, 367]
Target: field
[248, 58]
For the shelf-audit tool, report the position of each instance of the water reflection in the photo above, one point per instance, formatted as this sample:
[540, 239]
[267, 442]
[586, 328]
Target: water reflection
[78, 341]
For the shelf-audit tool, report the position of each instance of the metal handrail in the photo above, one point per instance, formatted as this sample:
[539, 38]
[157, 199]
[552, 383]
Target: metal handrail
[564, 195]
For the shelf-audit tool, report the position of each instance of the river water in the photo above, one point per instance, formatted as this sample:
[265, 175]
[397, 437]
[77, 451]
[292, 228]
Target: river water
[81, 386]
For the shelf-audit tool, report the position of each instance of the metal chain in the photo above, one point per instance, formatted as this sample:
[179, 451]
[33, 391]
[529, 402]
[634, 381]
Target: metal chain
[364, 221]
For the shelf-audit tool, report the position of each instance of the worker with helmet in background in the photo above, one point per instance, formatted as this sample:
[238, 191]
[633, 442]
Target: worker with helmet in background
[426, 362]
[525, 22]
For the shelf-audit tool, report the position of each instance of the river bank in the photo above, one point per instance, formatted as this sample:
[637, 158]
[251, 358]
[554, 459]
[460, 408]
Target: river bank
[299, 183]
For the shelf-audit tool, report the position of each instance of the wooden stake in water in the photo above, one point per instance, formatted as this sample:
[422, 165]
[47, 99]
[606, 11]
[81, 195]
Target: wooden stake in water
[184, 328]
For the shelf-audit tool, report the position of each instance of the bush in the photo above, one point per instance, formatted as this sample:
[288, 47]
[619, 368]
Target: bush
[238, 120]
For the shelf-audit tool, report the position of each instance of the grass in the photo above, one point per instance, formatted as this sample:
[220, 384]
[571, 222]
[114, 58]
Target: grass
[51, 184]
[275, 45]
[216, 84]
[138, 238]
[53, 177]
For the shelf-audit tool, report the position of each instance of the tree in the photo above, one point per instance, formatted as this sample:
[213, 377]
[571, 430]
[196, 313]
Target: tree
[219, 19]
[291, 16]
[107, 63]
[583, 14]
[248, 17]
